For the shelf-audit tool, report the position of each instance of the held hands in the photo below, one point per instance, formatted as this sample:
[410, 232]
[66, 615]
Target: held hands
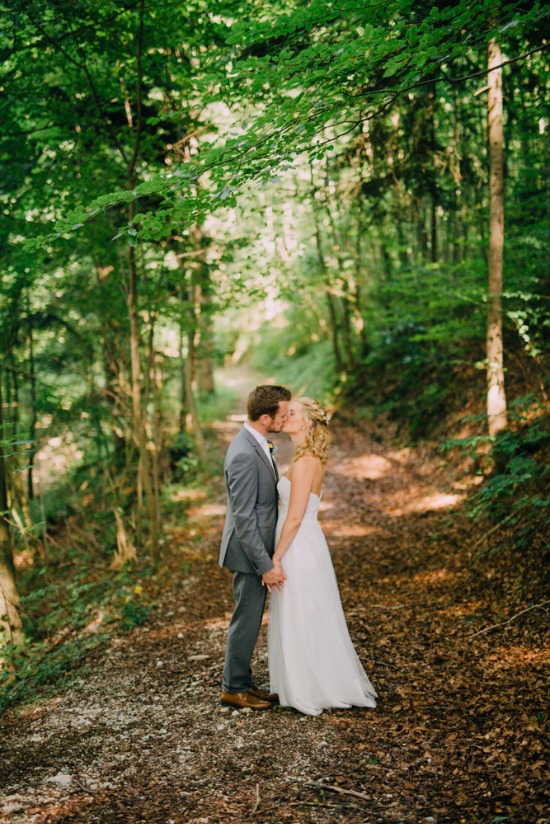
[275, 578]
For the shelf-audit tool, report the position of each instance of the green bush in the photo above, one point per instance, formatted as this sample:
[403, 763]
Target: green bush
[516, 489]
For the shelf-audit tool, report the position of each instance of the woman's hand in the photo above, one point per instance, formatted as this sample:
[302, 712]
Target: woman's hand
[275, 578]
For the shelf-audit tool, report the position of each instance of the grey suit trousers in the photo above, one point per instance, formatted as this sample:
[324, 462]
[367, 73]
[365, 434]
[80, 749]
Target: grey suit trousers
[243, 631]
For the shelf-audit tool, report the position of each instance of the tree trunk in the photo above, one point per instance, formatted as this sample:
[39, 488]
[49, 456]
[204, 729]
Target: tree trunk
[432, 98]
[333, 317]
[205, 366]
[496, 397]
[11, 630]
[155, 392]
[33, 417]
[190, 368]
[183, 381]
[144, 485]
[144, 482]
[203, 298]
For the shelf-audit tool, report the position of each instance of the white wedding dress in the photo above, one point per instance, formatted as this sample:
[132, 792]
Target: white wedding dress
[312, 662]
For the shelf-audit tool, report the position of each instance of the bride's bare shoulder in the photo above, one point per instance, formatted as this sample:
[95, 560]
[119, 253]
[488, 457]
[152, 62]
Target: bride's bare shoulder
[308, 461]
[306, 466]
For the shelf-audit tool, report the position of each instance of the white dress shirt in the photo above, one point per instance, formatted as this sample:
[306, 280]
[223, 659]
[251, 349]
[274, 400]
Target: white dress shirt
[260, 438]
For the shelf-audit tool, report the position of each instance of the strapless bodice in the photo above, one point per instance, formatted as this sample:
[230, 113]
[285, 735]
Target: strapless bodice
[284, 495]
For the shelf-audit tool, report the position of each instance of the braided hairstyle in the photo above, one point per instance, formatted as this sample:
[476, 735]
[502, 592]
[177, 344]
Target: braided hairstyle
[317, 436]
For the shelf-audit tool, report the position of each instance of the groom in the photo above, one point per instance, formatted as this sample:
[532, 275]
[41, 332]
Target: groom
[248, 540]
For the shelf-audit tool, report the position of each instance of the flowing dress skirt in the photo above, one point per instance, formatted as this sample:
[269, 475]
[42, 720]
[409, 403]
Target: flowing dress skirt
[312, 662]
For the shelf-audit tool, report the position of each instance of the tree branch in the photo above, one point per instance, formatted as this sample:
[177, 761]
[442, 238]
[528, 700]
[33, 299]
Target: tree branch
[509, 621]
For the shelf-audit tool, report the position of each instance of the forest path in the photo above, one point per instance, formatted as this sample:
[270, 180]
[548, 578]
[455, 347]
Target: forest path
[456, 735]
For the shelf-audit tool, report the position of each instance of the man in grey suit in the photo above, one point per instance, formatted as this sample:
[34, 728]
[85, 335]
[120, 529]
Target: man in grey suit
[248, 540]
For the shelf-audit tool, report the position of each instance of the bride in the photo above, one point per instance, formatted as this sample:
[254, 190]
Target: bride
[312, 662]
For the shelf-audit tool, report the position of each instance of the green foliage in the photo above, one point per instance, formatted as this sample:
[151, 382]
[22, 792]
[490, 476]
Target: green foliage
[134, 615]
[69, 614]
[309, 370]
[313, 178]
[516, 464]
[44, 669]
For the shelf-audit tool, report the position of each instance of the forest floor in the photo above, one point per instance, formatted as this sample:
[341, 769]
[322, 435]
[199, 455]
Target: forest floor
[457, 736]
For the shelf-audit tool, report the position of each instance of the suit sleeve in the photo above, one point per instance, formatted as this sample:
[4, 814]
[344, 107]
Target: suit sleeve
[242, 485]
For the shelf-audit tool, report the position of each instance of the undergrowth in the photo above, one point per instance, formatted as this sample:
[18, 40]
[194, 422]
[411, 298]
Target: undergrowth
[515, 492]
[72, 600]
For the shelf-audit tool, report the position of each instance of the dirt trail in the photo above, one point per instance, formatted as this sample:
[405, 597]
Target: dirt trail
[456, 736]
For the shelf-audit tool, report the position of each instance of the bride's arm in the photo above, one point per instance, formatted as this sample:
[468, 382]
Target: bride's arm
[303, 475]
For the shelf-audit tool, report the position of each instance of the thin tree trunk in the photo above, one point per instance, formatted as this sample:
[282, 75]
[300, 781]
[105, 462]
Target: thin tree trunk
[183, 381]
[346, 300]
[203, 316]
[190, 368]
[333, 318]
[11, 629]
[205, 373]
[360, 321]
[496, 397]
[432, 174]
[154, 391]
[144, 485]
[33, 420]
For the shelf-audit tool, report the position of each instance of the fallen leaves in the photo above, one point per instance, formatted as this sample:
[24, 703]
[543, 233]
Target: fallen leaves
[457, 736]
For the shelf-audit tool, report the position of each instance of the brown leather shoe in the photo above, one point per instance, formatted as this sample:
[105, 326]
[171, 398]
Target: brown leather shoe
[272, 697]
[242, 700]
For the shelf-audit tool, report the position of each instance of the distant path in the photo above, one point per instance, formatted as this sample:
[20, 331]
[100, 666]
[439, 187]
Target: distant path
[456, 737]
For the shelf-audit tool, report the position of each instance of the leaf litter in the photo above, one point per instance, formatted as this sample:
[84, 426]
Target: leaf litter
[459, 729]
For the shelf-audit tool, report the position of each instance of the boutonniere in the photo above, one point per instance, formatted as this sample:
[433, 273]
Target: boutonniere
[274, 450]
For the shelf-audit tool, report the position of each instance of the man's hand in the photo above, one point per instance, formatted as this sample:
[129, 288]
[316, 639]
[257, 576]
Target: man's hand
[275, 578]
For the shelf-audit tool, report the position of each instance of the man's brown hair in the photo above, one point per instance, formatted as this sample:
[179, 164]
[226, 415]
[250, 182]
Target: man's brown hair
[265, 399]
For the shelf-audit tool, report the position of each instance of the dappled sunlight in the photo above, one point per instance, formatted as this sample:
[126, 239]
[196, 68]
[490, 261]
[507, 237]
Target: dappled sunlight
[516, 656]
[218, 623]
[189, 494]
[468, 481]
[215, 624]
[207, 510]
[230, 425]
[371, 467]
[161, 633]
[353, 530]
[401, 456]
[431, 577]
[423, 502]
[24, 559]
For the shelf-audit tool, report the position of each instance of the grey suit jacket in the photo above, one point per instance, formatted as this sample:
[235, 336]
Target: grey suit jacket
[248, 540]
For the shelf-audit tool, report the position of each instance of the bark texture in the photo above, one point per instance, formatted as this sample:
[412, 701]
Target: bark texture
[496, 397]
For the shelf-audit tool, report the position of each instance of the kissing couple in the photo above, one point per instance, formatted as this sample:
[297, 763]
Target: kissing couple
[272, 541]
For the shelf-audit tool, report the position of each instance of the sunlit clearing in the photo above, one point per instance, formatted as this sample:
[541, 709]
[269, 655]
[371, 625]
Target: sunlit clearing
[366, 466]
[423, 503]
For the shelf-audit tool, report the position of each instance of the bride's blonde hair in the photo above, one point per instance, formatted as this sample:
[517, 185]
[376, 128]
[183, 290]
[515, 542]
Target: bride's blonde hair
[317, 436]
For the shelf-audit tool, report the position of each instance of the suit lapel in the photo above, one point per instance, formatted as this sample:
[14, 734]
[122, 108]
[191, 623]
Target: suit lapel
[267, 461]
